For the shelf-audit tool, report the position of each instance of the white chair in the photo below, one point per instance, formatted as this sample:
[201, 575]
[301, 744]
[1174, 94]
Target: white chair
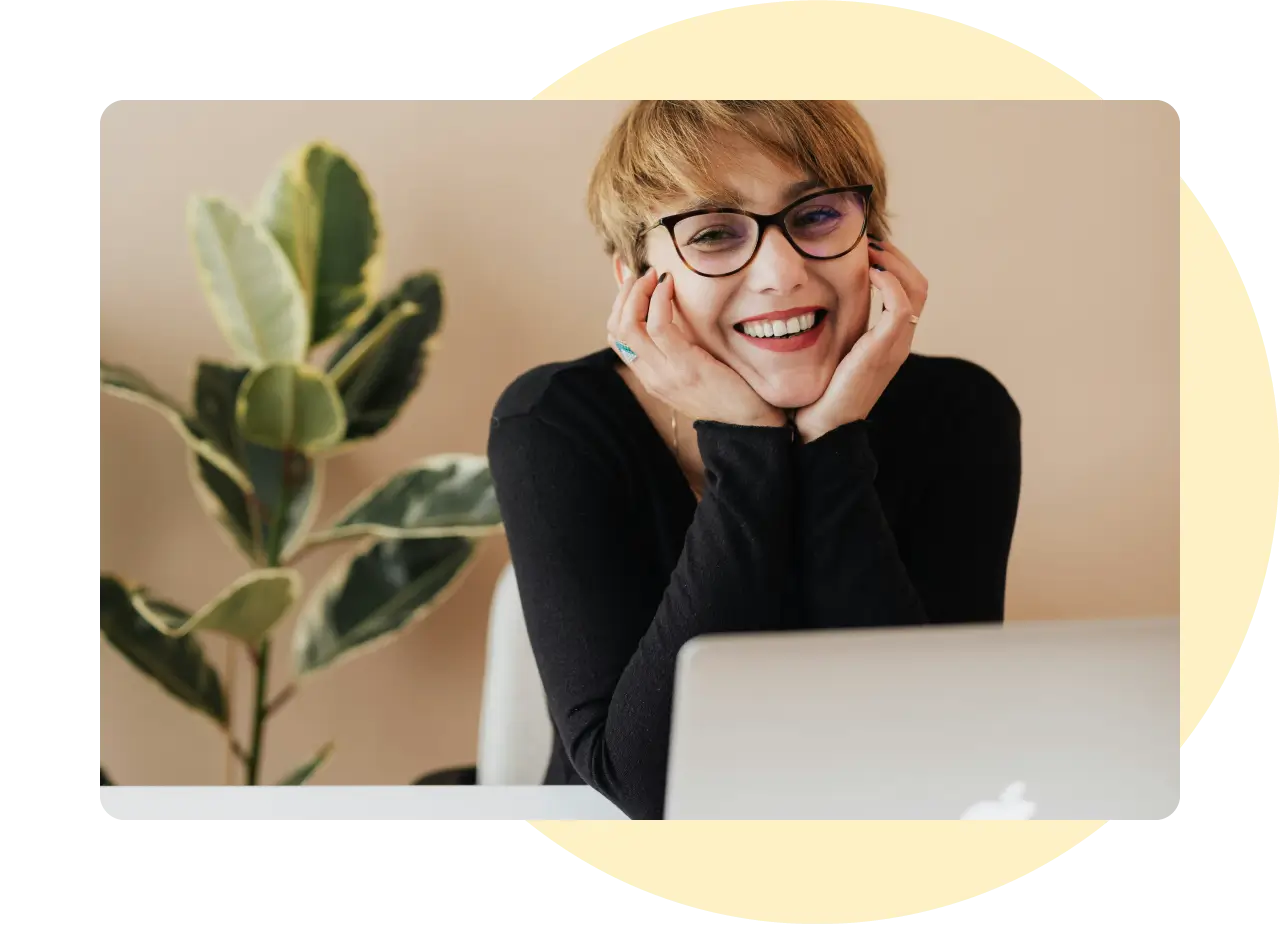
[516, 734]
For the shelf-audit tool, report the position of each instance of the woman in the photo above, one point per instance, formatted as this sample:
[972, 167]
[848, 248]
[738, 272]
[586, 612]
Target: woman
[748, 454]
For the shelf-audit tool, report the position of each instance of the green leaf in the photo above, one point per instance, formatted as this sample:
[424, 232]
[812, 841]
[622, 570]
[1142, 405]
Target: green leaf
[227, 504]
[319, 209]
[286, 406]
[214, 399]
[176, 664]
[352, 358]
[287, 486]
[165, 616]
[380, 379]
[247, 609]
[284, 488]
[379, 591]
[250, 285]
[128, 384]
[446, 495]
[300, 774]
[279, 513]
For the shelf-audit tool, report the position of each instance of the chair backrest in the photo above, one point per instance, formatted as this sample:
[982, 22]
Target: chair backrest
[516, 734]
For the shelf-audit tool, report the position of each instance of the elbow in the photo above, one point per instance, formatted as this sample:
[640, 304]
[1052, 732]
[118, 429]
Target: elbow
[636, 790]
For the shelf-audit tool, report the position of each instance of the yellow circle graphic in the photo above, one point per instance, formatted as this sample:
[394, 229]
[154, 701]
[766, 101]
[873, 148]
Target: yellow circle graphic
[864, 871]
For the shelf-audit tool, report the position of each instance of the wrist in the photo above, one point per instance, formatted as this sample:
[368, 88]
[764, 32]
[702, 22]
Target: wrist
[773, 417]
[810, 425]
[810, 431]
[811, 428]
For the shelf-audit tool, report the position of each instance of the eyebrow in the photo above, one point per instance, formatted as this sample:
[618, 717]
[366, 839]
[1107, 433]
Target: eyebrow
[735, 201]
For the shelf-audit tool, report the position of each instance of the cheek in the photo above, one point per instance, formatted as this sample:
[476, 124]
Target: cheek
[851, 287]
[855, 282]
[702, 307]
[845, 276]
[660, 255]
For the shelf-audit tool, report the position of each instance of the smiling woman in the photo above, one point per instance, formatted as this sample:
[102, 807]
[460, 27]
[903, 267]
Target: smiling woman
[751, 453]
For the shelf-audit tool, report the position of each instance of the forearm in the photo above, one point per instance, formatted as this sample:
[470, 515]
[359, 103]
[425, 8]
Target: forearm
[850, 569]
[607, 618]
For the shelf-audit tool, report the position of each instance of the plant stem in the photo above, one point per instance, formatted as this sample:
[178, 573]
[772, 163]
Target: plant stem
[275, 542]
[281, 699]
[234, 751]
[259, 713]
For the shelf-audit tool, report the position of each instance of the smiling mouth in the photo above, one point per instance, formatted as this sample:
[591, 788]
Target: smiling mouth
[781, 330]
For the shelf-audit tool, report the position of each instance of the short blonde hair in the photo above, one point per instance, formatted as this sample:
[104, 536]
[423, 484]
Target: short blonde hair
[669, 149]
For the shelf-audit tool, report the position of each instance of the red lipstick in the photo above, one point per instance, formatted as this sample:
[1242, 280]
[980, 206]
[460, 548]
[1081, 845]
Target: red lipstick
[792, 342]
[782, 314]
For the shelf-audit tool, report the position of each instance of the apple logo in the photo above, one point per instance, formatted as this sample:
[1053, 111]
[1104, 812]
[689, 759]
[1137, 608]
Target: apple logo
[1010, 805]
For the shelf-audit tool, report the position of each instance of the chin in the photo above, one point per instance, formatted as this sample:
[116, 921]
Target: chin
[795, 390]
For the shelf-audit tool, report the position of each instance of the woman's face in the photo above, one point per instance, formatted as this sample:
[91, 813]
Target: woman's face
[787, 375]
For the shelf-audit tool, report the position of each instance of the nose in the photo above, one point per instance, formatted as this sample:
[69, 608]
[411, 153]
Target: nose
[778, 268]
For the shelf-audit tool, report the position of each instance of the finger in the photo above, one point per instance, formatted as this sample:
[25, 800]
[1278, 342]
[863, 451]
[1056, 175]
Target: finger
[623, 351]
[671, 334]
[884, 245]
[625, 292]
[613, 334]
[912, 282]
[629, 280]
[615, 312]
[891, 262]
[900, 318]
[678, 320]
[661, 324]
[631, 328]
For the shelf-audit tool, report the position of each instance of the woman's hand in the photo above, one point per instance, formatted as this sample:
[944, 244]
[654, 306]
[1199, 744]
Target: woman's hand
[674, 369]
[877, 355]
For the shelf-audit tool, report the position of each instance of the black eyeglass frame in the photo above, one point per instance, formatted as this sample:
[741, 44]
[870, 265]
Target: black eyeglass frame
[763, 222]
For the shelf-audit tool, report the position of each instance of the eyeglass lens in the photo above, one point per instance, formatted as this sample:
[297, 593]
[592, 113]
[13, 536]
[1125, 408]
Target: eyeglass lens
[719, 243]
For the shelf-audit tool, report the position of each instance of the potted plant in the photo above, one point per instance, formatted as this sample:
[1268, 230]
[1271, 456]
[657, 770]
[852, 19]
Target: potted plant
[320, 364]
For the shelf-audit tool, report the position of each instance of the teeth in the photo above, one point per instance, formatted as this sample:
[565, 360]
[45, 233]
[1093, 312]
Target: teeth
[780, 328]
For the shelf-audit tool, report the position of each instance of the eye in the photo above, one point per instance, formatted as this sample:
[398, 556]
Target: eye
[819, 219]
[715, 237]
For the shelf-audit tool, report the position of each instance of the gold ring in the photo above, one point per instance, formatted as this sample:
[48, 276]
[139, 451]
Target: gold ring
[914, 319]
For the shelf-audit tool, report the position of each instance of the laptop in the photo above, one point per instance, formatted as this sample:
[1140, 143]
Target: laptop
[1024, 720]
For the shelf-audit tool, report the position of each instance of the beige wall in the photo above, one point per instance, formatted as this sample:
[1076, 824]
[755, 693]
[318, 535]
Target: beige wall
[1048, 231]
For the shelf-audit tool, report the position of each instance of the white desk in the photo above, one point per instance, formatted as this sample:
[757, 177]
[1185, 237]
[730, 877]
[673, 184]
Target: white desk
[313, 802]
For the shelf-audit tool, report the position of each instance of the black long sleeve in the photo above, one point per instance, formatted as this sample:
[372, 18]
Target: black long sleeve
[964, 494]
[605, 648]
[850, 570]
[952, 472]
[903, 518]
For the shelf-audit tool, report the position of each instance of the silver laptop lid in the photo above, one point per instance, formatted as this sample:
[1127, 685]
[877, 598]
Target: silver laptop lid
[1040, 719]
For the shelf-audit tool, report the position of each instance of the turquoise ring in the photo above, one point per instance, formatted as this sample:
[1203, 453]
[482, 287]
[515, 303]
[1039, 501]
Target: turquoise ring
[628, 355]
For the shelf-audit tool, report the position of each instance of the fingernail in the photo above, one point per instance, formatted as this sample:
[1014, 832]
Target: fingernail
[876, 266]
[874, 246]
[663, 276]
[873, 237]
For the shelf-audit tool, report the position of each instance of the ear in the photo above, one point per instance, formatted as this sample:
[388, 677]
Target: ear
[621, 272]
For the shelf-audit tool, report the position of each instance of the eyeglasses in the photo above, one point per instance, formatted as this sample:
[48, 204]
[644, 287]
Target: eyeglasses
[720, 242]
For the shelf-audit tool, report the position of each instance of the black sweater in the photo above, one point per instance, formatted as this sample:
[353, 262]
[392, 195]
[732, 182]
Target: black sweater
[904, 518]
